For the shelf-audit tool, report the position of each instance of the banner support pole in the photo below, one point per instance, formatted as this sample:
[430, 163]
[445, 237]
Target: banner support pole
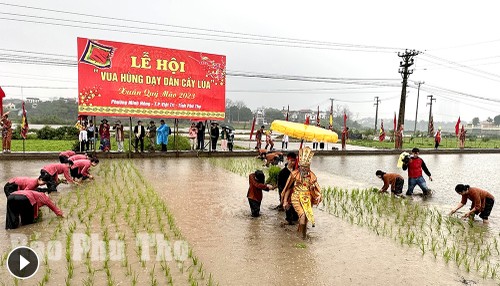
[130, 138]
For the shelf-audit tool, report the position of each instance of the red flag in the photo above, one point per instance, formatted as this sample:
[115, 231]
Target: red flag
[381, 136]
[2, 95]
[287, 111]
[24, 124]
[345, 120]
[307, 120]
[317, 119]
[253, 127]
[394, 122]
[457, 126]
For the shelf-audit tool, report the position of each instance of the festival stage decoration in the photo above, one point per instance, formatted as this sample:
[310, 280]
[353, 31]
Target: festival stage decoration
[120, 79]
[304, 131]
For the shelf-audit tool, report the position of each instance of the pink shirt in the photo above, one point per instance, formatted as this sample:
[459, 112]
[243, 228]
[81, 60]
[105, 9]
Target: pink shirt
[83, 166]
[68, 153]
[25, 183]
[56, 169]
[77, 157]
[37, 200]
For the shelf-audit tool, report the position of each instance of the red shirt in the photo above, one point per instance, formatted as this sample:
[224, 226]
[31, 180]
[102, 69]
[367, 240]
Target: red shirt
[83, 166]
[56, 169]
[37, 200]
[255, 188]
[25, 183]
[77, 157]
[415, 167]
[68, 153]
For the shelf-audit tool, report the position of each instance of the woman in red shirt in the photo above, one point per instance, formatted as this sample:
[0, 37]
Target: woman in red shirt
[482, 201]
[25, 204]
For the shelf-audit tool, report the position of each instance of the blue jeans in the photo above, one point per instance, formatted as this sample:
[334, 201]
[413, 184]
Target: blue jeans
[420, 181]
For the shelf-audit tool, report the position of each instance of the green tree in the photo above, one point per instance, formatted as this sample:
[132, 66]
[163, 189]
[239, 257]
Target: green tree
[475, 121]
[245, 114]
[271, 114]
[497, 120]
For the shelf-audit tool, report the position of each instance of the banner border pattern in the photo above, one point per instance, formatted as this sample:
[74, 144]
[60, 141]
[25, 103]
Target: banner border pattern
[126, 111]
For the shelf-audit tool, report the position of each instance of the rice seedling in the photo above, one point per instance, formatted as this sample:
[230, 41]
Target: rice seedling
[152, 276]
[135, 277]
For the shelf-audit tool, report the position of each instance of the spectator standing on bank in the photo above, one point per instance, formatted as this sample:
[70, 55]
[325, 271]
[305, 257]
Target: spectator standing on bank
[230, 141]
[105, 135]
[119, 135]
[140, 133]
[200, 135]
[284, 142]
[151, 135]
[193, 135]
[162, 135]
[91, 135]
[214, 135]
[224, 134]
[399, 137]
[82, 137]
[6, 125]
[437, 138]
[345, 137]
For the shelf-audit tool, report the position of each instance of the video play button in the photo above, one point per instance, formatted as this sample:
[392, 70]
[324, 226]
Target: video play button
[23, 262]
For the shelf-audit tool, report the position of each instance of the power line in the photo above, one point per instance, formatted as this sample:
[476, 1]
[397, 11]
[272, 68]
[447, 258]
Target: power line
[252, 36]
[225, 39]
[492, 76]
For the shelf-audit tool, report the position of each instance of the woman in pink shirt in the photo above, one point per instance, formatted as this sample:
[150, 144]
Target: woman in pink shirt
[80, 168]
[50, 174]
[22, 183]
[63, 156]
[25, 204]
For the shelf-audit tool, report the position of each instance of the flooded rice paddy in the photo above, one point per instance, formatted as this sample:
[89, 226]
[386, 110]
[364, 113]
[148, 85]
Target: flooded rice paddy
[194, 201]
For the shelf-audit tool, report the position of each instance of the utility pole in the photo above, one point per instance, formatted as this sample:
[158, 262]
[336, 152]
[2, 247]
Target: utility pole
[431, 99]
[404, 65]
[416, 112]
[377, 101]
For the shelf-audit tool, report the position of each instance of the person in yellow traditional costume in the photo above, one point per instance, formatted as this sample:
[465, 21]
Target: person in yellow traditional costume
[302, 191]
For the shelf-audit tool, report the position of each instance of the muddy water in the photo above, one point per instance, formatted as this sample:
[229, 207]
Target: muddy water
[213, 214]
[447, 170]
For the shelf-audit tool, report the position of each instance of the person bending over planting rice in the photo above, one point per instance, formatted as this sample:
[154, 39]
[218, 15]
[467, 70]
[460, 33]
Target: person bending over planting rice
[394, 180]
[482, 201]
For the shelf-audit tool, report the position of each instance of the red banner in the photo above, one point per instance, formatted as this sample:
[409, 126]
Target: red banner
[119, 79]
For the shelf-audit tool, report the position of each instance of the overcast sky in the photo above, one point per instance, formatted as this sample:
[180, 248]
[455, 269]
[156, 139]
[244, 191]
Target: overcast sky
[314, 43]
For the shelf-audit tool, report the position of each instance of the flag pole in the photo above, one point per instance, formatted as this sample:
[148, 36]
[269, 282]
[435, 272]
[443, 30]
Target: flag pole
[24, 111]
